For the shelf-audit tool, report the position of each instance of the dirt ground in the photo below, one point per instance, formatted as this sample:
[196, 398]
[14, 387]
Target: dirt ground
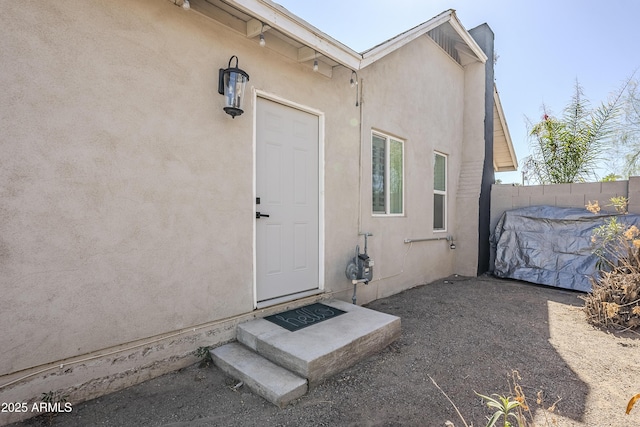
[466, 334]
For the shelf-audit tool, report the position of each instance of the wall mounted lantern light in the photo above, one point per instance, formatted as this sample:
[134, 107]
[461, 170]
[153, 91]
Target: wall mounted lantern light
[231, 83]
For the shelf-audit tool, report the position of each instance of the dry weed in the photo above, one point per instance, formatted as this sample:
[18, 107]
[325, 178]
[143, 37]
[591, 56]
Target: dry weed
[614, 300]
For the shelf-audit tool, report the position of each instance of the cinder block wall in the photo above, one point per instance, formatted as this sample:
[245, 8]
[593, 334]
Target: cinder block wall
[505, 197]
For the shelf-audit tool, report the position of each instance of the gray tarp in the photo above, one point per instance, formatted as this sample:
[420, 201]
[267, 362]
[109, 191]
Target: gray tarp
[549, 245]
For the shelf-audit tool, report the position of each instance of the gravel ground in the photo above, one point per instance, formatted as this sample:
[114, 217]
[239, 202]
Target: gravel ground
[468, 334]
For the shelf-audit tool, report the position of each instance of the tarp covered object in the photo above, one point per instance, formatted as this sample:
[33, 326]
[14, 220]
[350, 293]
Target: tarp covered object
[549, 245]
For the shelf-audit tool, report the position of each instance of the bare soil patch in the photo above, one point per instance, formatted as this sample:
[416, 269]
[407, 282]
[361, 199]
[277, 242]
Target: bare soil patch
[468, 334]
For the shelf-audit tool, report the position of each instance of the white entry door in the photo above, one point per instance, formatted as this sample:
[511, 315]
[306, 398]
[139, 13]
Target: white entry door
[287, 199]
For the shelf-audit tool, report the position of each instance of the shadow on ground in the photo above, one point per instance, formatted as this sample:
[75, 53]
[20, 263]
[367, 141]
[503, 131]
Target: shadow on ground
[467, 334]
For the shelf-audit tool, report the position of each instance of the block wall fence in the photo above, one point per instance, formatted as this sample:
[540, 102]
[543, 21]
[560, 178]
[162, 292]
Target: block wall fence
[506, 197]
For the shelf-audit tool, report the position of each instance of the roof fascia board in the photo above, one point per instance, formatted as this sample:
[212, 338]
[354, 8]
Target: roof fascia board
[466, 37]
[383, 49]
[279, 18]
[505, 128]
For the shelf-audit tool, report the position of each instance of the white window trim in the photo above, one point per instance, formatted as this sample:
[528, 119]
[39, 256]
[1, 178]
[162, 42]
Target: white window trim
[443, 193]
[387, 179]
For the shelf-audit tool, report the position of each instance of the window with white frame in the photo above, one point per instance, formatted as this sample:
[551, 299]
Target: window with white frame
[439, 192]
[387, 175]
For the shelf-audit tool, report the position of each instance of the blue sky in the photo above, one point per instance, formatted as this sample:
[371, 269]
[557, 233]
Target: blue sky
[543, 45]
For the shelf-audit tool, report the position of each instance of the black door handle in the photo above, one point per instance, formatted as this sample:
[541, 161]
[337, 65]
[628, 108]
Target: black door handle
[259, 215]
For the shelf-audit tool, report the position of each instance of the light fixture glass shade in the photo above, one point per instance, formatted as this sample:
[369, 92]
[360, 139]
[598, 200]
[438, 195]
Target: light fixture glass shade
[231, 84]
[234, 84]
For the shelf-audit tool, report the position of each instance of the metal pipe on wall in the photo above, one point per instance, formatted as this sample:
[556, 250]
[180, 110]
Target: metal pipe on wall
[427, 239]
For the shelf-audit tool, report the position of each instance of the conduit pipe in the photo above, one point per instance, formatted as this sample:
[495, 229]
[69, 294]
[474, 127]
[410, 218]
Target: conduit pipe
[427, 239]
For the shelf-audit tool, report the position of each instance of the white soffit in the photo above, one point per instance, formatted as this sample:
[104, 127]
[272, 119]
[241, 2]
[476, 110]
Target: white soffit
[309, 38]
[504, 155]
[279, 18]
[466, 37]
[449, 16]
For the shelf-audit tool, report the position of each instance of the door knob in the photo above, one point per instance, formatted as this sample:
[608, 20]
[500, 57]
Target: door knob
[259, 215]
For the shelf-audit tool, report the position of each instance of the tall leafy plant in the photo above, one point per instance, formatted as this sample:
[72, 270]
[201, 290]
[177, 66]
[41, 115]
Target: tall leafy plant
[567, 149]
[629, 133]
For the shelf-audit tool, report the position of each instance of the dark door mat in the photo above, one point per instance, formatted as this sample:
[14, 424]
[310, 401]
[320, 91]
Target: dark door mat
[302, 317]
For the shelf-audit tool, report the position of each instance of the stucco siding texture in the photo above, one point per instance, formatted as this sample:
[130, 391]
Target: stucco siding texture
[417, 94]
[126, 193]
[120, 220]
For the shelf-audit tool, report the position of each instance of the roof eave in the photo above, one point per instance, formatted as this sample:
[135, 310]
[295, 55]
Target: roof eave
[372, 55]
[383, 49]
[278, 17]
[466, 37]
[513, 164]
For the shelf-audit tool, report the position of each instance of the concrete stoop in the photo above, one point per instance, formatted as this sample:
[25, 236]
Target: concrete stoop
[279, 365]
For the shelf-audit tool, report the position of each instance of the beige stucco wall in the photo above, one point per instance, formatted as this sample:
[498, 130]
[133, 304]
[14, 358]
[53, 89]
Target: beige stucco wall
[399, 103]
[117, 226]
[471, 168]
[126, 222]
[441, 110]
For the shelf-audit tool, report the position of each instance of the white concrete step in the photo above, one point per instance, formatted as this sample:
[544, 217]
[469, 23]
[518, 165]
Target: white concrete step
[274, 383]
[324, 349]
